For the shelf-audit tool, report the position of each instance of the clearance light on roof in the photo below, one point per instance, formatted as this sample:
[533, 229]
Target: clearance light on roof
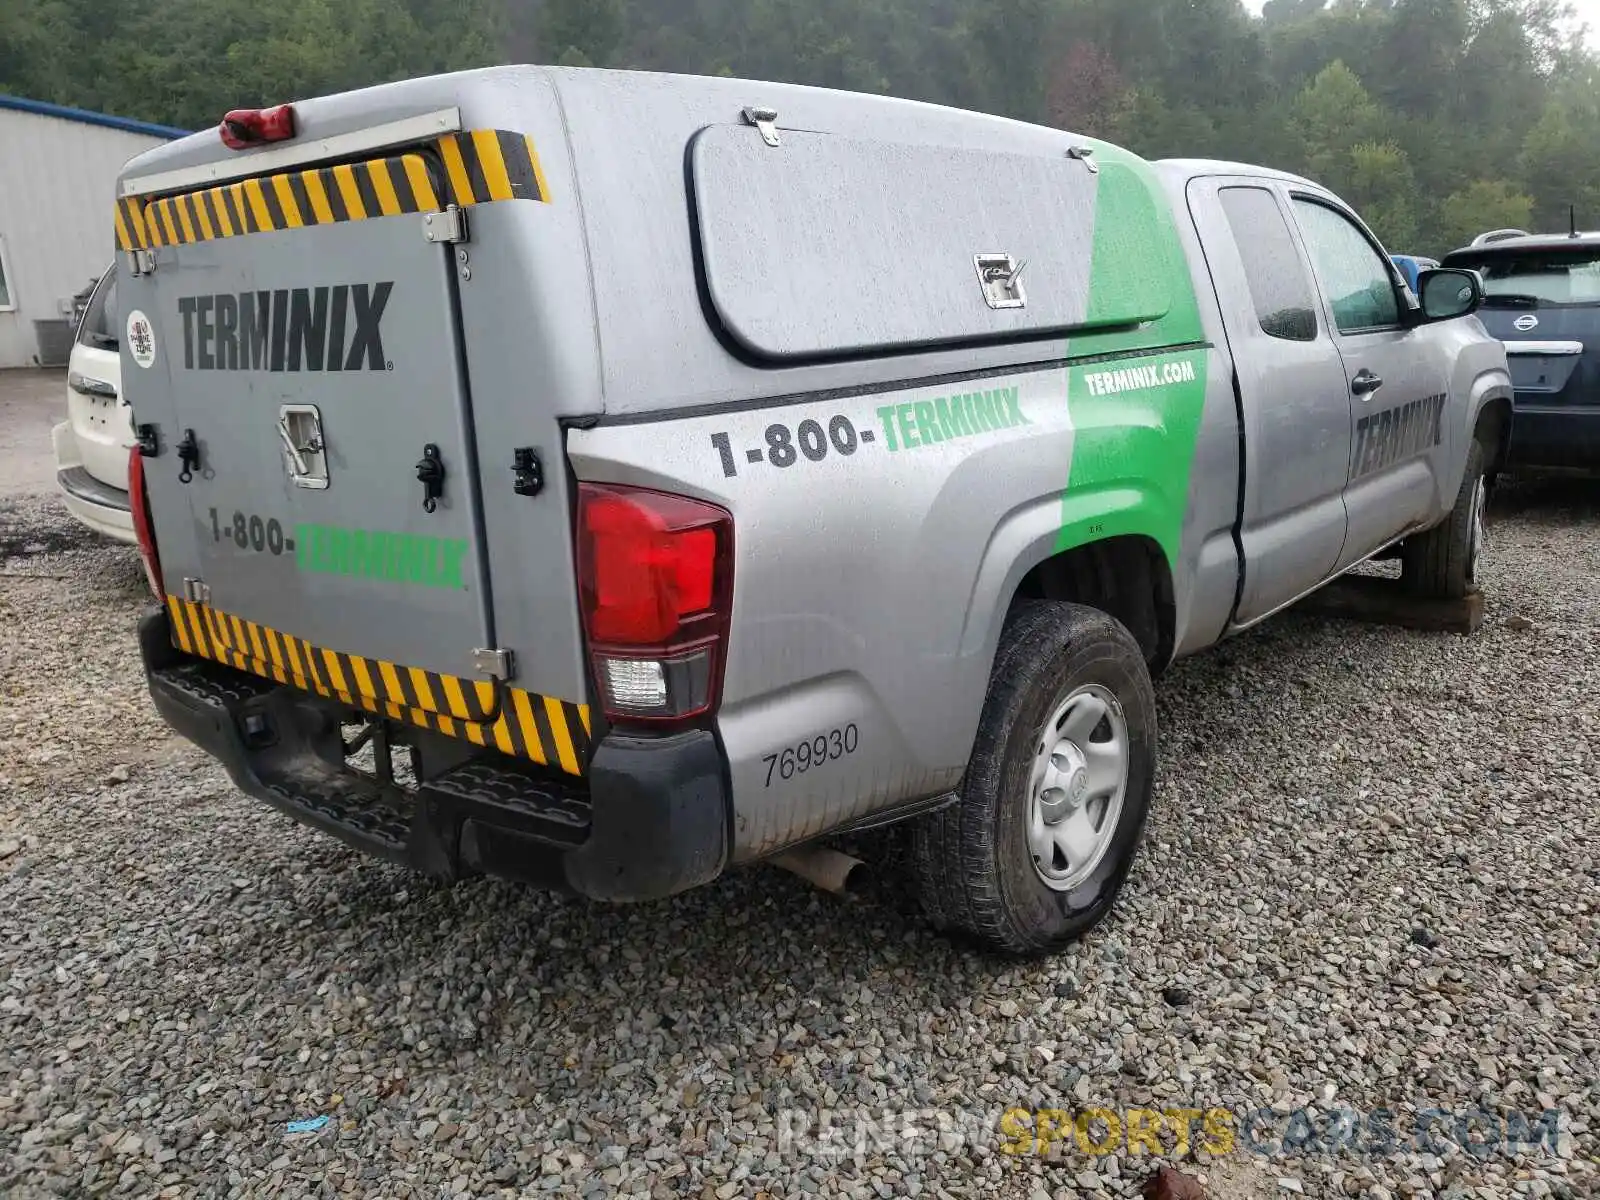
[656, 576]
[246, 127]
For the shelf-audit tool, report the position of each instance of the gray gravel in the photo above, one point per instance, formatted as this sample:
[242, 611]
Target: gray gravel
[1373, 880]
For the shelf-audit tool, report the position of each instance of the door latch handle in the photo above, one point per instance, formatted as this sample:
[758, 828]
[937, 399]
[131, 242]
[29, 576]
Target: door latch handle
[188, 456]
[430, 473]
[1365, 383]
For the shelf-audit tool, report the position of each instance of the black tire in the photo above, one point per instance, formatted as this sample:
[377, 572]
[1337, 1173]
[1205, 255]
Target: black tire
[1442, 563]
[975, 870]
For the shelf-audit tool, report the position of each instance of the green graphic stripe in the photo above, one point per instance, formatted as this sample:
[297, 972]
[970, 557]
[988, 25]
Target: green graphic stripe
[1135, 420]
[1138, 263]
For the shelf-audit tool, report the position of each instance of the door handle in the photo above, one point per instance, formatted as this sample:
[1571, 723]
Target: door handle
[1365, 383]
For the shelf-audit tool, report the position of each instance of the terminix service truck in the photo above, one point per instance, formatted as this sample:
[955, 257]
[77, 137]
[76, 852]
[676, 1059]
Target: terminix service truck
[605, 479]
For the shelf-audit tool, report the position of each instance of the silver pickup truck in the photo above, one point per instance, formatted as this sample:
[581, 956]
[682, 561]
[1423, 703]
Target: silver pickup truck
[604, 479]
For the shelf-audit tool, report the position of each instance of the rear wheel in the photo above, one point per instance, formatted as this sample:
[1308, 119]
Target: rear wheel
[1443, 562]
[1056, 793]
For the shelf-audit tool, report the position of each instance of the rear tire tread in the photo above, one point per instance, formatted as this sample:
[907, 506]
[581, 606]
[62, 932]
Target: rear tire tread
[955, 848]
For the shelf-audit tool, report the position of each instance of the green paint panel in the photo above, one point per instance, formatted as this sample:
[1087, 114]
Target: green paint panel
[1137, 258]
[1134, 427]
[1135, 419]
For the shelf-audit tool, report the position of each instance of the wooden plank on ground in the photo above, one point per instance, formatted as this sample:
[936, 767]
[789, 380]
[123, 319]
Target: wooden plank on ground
[1382, 601]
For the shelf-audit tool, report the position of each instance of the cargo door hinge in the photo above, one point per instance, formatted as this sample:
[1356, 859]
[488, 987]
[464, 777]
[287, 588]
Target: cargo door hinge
[449, 226]
[142, 262]
[496, 664]
[197, 591]
[765, 121]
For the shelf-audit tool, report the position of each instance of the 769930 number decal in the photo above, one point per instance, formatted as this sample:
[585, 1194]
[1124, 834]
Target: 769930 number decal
[808, 755]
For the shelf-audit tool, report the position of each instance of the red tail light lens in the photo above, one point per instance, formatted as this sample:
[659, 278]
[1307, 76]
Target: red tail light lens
[246, 127]
[655, 573]
[143, 527]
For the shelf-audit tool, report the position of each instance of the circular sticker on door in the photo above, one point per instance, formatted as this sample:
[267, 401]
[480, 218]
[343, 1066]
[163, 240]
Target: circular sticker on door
[141, 338]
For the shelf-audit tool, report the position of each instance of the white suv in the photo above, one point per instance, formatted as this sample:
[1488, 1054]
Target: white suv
[92, 444]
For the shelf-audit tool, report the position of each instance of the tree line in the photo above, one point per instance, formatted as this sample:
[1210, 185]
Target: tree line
[1438, 119]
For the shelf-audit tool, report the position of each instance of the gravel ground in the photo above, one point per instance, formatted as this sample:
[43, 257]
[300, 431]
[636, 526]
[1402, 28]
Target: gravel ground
[1372, 882]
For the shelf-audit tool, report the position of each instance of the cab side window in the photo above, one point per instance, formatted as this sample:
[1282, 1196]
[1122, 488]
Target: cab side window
[1279, 287]
[1356, 281]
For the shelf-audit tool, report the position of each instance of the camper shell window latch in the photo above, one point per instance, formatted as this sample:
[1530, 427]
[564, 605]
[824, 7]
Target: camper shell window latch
[765, 121]
[1085, 155]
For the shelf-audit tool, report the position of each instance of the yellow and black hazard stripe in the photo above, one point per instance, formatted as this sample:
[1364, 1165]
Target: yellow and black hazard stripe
[487, 165]
[523, 724]
[463, 169]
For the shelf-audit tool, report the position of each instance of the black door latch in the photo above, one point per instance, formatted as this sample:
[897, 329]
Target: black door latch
[189, 456]
[430, 473]
[149, 441]
[528, 472]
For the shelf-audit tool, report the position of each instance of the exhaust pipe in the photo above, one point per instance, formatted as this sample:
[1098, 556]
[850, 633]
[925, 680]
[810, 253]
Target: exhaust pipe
[824, 868]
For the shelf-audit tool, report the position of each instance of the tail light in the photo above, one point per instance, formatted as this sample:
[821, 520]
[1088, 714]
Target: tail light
[143, 527]
[655, 572]
[246, 127]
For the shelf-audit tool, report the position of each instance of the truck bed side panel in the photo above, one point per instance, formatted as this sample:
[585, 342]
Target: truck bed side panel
[878, 538]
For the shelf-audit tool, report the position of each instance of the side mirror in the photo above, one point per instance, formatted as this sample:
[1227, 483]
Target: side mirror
[1449, 292]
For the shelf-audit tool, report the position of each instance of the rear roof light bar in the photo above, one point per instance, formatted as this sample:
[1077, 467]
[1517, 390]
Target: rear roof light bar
[246, 127]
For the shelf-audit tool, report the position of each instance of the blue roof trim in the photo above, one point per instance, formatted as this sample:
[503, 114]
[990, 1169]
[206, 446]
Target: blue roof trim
[85, 117]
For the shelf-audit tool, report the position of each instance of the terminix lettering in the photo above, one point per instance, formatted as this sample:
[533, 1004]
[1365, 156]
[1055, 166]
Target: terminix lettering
[333, 328]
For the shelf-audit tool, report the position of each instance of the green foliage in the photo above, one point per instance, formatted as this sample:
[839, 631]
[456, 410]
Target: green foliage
[1436, 118]
[1559, 164]
[1331, 116]
[1482, 205]
[581, 32]
[1384, 191]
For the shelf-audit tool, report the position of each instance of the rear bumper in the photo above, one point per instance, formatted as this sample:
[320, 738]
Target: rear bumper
[101, 507]
[650, 820]
[1565, 437]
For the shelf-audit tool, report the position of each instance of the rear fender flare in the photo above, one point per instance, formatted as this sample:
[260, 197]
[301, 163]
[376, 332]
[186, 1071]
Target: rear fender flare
[1492, 402]
[1038, 531]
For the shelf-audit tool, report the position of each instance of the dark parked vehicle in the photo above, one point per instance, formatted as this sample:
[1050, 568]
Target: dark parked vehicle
[1543, 302]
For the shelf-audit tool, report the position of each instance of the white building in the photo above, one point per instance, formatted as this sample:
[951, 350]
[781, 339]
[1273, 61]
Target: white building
[58, 172]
